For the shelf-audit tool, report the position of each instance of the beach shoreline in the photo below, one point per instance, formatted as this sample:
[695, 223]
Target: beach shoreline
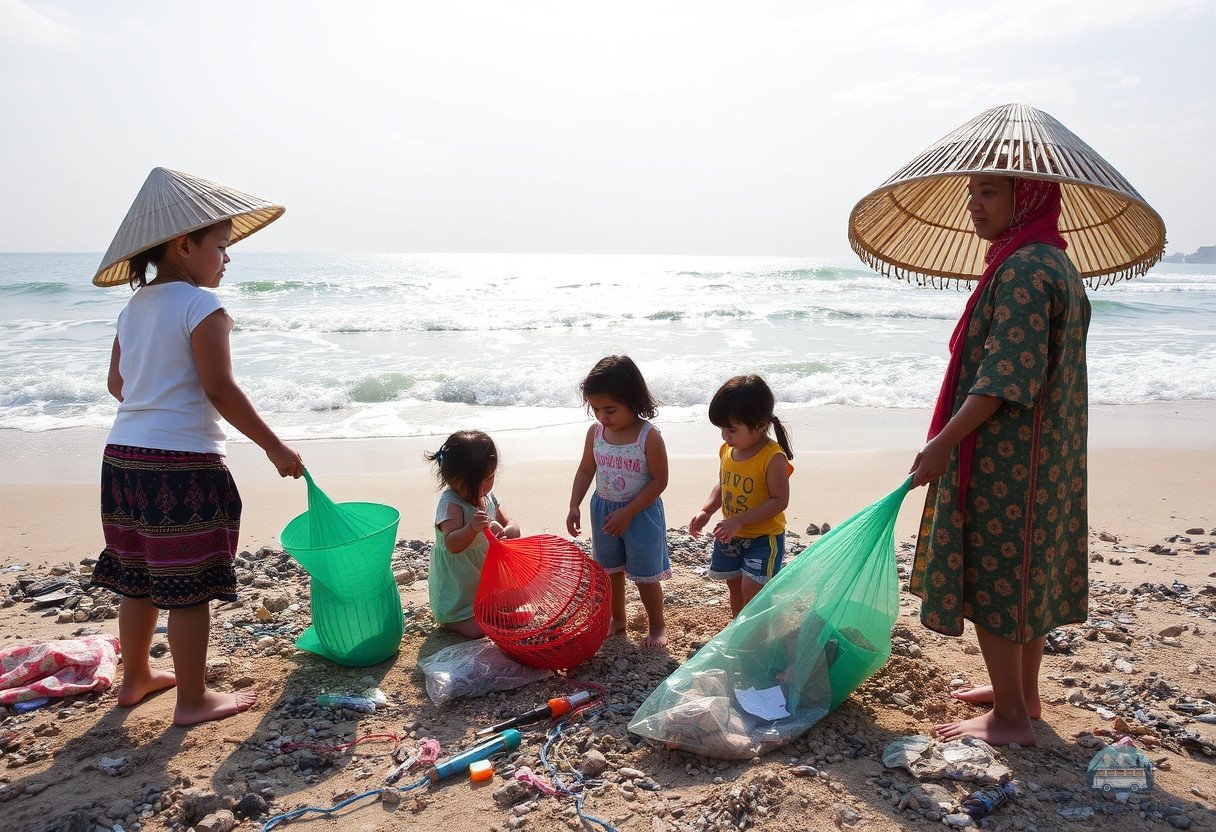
[1150, 468]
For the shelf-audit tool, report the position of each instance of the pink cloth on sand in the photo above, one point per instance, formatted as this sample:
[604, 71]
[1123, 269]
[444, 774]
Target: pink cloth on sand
[57, 668]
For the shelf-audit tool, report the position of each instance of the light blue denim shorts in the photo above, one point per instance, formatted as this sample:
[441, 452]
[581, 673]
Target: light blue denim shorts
[641, 552]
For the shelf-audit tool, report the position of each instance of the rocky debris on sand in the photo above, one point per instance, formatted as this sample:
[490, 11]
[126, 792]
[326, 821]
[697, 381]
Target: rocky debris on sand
[114, 766]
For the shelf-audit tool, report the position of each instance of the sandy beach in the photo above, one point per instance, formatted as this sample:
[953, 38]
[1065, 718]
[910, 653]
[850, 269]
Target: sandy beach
[1150, 470]
[1149, 466]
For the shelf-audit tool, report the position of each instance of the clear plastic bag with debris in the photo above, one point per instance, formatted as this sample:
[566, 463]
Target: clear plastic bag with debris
[474, 668]
[817, 630]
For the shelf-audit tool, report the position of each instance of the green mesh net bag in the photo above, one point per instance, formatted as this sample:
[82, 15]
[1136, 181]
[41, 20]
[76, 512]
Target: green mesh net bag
[347, 550]
[816, 631]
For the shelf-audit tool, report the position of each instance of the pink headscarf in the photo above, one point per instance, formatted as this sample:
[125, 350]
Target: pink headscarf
[1036, 217]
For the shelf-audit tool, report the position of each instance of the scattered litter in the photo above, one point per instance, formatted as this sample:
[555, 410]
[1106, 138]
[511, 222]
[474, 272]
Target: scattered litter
[57, 668]
[966, 759]
[474, 668]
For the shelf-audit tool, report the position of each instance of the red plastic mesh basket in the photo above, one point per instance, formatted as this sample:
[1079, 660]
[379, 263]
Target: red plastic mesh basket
[543, 601]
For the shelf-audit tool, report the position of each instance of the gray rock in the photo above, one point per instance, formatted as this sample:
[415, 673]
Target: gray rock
[510, 794]
[1179, 821]
[221, 821]
[197, 803]
[114, 766]
[958, 820]
[120, 808]
[251, 805]
[845, 814]
[1077, 813]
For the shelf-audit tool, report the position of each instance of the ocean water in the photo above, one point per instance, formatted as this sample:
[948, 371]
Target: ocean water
[397, 345]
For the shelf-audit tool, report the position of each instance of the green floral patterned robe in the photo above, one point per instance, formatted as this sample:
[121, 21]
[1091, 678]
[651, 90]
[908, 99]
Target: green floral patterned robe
[1016, 564]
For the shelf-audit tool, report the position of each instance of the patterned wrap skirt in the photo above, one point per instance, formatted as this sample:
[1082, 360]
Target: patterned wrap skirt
[171, 520]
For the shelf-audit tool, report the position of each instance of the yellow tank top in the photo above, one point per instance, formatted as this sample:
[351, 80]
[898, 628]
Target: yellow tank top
[745, 486]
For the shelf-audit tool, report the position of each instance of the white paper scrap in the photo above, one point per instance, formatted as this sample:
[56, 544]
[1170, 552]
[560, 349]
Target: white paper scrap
[766, 704]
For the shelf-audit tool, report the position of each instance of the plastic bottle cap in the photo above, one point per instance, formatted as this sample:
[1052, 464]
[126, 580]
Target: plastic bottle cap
[481, 770]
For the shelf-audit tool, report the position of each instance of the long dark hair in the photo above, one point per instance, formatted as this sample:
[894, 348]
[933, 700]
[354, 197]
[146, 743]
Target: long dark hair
[156, 254]
[617, 377]
[464, 460]
[748, 401]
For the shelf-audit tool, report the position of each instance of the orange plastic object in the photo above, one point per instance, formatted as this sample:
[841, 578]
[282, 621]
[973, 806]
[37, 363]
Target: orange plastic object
[480, 771]
[543, 601]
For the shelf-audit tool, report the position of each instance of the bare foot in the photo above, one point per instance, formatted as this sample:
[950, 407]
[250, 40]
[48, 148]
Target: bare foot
[989, 728]
[214, 706]
[982, 695]
[616, 626]
[133, 690]
[656, 639]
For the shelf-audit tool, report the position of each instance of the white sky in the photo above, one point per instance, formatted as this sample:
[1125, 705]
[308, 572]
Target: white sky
[502, 125]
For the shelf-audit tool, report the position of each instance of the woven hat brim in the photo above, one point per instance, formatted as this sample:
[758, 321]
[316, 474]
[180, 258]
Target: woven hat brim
[916, 226]
[171, 204]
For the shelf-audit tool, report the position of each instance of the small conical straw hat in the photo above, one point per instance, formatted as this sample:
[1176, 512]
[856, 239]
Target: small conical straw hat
[171, 204]
[916, 225]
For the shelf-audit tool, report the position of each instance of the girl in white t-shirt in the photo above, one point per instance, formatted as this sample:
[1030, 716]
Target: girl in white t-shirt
[170, 509]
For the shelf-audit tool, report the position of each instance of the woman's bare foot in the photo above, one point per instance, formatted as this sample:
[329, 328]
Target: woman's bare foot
[989, 728]
[982, 695]
[617, 625]
[214, 705]
[134, 689]
[656, 639]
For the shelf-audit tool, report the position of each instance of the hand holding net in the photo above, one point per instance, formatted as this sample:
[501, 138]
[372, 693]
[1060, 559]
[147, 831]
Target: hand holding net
[543, 601]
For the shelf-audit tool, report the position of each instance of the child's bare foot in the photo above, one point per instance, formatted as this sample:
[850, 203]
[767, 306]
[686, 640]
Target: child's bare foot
[982, 695]
[616, 626]
[989, 728]
[134, 689]
[656, 639]
[214, 705]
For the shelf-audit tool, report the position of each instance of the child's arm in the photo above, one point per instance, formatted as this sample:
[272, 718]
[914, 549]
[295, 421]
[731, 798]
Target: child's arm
[503, 526]
[114, 378]
[712, 504]
[583, 478]
[656, 462]
[213, 359]
[456, 535]
[777, 474]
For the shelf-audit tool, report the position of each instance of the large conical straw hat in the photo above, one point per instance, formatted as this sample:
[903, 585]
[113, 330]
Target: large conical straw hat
[916, 225]
[171, 204]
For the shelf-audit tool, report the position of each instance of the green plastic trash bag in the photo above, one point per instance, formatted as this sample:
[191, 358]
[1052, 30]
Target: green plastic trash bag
[816, 631]
[347, 550]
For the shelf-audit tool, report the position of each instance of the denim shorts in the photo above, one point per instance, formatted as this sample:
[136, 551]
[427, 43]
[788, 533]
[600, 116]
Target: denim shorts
[758, 558]
[641, 552]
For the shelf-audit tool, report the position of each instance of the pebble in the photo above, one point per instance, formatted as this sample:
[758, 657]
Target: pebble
[845, 814]
[114, 766]
[594, 763]
[1077, 813]
[958, 820]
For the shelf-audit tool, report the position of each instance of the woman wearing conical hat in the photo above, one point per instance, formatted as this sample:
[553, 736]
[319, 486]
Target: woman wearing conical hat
[1003, 536]
[170, 509]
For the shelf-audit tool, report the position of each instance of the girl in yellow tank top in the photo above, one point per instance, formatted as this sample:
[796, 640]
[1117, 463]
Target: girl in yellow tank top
[753, 489]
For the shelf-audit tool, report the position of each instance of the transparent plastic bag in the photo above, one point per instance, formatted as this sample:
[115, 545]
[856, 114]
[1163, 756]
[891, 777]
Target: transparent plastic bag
[817, 630]
[474, 668]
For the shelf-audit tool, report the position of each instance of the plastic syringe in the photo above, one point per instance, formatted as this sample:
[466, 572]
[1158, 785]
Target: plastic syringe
[459, 763]
[554, 707]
